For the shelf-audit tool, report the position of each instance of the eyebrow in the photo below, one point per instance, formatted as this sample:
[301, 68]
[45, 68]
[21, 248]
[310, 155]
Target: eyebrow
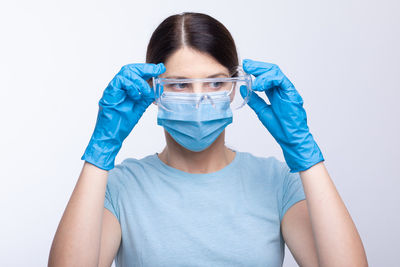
[211, 76]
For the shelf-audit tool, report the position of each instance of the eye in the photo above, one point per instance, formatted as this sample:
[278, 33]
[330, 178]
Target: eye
[215, 85]
[176, 86]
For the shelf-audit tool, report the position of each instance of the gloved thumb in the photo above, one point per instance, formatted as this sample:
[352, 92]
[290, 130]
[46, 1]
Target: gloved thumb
[147, 70]
[260, 107]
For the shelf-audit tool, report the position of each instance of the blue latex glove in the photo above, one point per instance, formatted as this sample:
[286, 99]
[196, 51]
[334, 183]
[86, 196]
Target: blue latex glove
[124, 101]
[285, 118]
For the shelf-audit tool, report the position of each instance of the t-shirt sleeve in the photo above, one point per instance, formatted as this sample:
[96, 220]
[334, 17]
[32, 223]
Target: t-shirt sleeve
[292, 189]
[112, 191]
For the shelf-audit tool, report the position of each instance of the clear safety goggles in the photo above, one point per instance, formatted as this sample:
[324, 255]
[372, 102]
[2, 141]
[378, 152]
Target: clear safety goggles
[203, 90]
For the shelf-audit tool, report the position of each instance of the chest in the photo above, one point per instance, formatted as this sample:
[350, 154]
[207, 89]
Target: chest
[202, 226]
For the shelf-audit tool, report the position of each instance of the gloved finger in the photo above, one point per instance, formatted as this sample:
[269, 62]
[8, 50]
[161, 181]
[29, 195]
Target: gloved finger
[256, 67]
[273, 78]
[131, 88]
[260, 107]
[136, 86]
[277, 94]
[114, 93]
[144, 70]
[268, 75]
[139, 88]
[276, 82]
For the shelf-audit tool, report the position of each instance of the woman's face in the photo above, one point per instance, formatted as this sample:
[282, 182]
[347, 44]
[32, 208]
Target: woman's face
[189, 63]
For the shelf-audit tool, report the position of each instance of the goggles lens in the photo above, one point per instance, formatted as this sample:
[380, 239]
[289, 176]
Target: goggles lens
[179, 86]
[207, 90]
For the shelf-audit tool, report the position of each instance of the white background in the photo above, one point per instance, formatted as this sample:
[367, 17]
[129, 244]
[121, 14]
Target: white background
[57, 57]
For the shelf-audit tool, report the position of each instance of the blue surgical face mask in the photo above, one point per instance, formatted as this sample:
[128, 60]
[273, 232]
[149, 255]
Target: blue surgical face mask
[194, 120]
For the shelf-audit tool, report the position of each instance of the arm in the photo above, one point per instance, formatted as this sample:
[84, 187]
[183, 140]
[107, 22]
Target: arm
[86, 231]
[86, 238]
[319, 231]
[336, 238]
[110, 239]
[77, 240]
[297, 232]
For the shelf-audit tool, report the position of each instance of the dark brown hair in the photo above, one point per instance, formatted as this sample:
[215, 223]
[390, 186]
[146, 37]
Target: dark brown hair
[195, 30]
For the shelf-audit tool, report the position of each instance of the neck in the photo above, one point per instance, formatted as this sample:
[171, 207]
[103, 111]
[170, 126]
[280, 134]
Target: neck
[212, 159]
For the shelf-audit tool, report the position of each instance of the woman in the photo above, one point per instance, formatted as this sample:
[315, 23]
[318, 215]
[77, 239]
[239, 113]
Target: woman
[210, 206]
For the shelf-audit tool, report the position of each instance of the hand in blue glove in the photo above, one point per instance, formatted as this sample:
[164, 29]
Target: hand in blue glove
[124, 101]
[285, 118]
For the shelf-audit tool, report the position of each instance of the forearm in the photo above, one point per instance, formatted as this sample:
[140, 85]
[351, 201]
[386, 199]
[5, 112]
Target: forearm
[337, 240]
[78, 237]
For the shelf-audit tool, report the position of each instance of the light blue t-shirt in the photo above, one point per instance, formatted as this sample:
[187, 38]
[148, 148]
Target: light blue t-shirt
[226, 218]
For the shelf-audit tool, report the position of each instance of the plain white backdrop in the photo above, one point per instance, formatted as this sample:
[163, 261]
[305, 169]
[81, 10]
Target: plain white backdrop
[57, 57]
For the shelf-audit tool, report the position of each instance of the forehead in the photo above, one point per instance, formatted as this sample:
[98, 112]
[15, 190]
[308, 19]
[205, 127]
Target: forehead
[190, 63]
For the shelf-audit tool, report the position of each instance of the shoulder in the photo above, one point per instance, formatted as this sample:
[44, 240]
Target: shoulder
[128, 170]
[269, 171]
[267, 165]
